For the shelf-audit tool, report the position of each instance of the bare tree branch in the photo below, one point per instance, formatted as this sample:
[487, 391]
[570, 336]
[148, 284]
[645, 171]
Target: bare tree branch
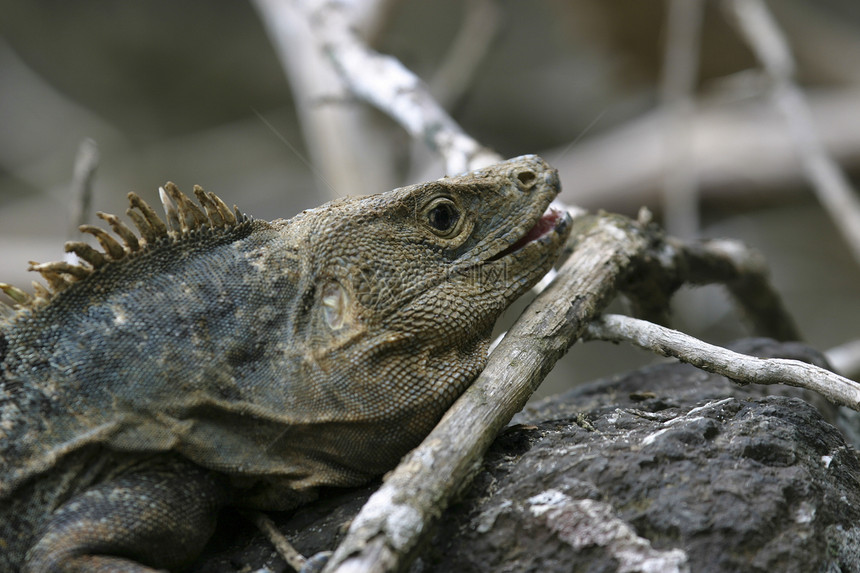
[386, 84]
[281, 544]
[81, 192]
[845, 358]
[739, 367]
[746, 276]
[761, 32]
[351, 150]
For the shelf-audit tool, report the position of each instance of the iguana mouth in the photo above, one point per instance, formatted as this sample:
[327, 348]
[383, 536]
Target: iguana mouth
[544, 226]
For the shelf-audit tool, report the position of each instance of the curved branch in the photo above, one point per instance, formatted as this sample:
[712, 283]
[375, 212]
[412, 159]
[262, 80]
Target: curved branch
[746, 276]
[739, 367]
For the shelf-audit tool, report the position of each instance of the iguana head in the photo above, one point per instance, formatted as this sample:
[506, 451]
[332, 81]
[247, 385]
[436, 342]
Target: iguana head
[408, 284]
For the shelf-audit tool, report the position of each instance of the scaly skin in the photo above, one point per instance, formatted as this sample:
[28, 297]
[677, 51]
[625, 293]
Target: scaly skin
[222, 360]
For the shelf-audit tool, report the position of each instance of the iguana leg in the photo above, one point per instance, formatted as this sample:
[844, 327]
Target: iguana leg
[157, 517]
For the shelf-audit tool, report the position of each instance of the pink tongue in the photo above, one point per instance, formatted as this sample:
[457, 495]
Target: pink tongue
[543, 226]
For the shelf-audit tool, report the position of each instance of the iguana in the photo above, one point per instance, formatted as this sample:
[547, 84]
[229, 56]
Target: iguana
[214, 359]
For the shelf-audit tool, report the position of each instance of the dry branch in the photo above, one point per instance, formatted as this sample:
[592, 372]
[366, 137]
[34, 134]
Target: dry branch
[466, 53]
[81, 192]
[385, 83]
[845, 358]
[745, 275]
[281, 544]
[738, 367]
[351, 150]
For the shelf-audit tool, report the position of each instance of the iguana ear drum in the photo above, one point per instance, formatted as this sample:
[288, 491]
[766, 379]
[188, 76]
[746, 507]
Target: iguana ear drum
[335, 304]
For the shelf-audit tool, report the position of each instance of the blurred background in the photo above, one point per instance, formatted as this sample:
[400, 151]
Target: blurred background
[195, 93]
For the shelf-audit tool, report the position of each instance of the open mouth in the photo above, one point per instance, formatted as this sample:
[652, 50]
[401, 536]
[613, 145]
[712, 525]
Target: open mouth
[542, 228]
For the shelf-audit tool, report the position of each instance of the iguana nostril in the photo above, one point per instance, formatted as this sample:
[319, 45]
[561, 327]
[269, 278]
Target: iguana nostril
[527, 178]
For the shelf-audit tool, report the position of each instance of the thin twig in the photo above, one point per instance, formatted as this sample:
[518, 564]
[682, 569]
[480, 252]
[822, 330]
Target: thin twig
[744, 273]
[757, 26]
[282, 545]
[81, 191]
[726, 136]
[680, 70]
[739, 367]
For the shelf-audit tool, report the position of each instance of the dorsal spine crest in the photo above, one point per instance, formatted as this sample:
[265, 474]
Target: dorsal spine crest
[183, 217]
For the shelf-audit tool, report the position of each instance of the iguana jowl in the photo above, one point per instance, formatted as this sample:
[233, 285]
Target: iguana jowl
[217, 359]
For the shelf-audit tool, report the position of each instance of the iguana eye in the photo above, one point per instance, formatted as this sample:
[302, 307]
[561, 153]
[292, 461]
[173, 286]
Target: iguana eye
[443, 216]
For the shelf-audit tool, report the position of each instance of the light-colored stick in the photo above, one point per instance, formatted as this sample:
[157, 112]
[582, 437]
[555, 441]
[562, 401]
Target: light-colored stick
[386, 84]
[845, 358]
[282, 545]
[738, 367]
[759, 29]
[466, 52]
[351, 150]
[81, 192]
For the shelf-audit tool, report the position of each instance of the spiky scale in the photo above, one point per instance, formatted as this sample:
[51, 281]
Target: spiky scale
[56, 281]
[120, 228]
[154, 222]
[61, 267]
[146, 231]
[215, 217]
[173, 220]
[86, 253]
[191, 214]
[110, 245]
[40, 293]
[16, 294]
[228, 215]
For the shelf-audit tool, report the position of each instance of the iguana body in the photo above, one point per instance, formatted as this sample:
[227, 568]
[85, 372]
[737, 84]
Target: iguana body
[224, 360]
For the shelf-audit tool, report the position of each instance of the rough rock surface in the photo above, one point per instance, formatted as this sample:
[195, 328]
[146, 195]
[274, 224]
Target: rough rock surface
[664, 469]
